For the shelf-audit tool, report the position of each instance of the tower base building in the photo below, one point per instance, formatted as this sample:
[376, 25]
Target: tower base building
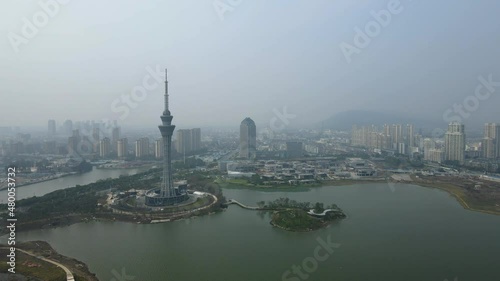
[167, 194]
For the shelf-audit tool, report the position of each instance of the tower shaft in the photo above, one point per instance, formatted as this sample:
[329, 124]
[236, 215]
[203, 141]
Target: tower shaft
[167, 130]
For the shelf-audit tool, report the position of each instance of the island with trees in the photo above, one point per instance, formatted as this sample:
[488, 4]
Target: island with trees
[297, 216]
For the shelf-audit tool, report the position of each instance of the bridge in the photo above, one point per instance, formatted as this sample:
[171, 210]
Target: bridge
[312, 213]
[232, 201]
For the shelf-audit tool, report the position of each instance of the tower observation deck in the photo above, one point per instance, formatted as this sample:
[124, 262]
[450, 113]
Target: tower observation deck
[168, 194]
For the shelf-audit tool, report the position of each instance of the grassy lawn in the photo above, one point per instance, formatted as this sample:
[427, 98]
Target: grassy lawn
[40, 269]
[468, 202]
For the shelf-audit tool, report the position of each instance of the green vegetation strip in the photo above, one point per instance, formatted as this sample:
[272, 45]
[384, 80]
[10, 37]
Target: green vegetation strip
[33, 267]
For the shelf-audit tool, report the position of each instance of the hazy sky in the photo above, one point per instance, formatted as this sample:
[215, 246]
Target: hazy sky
[255, 57]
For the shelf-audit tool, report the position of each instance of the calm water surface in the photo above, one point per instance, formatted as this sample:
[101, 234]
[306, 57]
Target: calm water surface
[42, 188]
[411, 234]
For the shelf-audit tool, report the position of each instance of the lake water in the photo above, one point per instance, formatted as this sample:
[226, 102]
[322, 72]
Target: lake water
[42, 188]
[405, 233]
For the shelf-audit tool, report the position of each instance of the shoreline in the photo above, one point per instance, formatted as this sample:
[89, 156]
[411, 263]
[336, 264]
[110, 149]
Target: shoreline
[76, 173]
[333, 183]
[118, 167]
[40, 256]
[458, 198]
[326, 224]
[65, 221]
[295, 188]
[124, 216]
[44, 180]
[117, 216]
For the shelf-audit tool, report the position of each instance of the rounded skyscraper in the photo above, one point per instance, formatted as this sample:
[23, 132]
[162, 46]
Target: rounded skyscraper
[248, 139]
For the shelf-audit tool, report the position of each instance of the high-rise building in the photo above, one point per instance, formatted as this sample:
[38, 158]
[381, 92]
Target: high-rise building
[387, 137]
[294, 149]
[370, 136]
[491, 140]
[121, 148]
[248, 139]
[490, 130]
[402, 149]
[15, 148]
[68, 127]
[387, 130]
[49, 147]
[455, 143]
[115, 136]
[397, 135]
[497, 141]
[85, 145]
[95, 139]
[435, 155]
[428, 145]
[142, 147]
[183, 143]
[488, 148]
[76, 134]
[410, 136]
[159, 152]
[356, 136]
[195, 139]
[52, 128]
[188, 140]
[104, 147]
[418, 142]
[72, 144]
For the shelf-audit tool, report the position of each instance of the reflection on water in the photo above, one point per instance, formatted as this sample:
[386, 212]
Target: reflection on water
[411, 234]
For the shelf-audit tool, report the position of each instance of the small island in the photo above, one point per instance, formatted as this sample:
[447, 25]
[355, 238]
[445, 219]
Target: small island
[296, 216]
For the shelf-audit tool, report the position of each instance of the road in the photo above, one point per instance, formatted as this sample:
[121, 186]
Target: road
[69, 275]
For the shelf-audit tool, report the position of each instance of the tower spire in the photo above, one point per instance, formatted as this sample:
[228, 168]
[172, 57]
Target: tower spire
[166, 111]
[167, 194]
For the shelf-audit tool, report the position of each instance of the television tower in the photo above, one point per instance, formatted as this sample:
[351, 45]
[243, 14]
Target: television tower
[167, 130]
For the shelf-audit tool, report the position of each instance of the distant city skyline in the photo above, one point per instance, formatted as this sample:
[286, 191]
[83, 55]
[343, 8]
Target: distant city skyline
[250, 64]
[250, 140]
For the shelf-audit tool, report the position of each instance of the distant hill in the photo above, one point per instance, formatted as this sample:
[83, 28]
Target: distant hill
[345, 120]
